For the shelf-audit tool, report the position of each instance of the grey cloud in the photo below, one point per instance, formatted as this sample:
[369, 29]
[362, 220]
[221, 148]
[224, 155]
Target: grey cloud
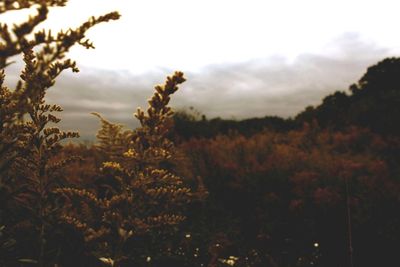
[273, 86]
[260, 87]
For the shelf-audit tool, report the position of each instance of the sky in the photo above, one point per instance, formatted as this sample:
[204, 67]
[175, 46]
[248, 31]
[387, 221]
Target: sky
[241, 58]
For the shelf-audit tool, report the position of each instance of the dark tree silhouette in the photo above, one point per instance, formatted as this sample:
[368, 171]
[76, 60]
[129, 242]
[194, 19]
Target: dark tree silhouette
[374, 102]
[376, 98]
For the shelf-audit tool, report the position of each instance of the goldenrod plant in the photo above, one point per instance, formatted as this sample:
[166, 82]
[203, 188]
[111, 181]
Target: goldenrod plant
[112, 141]
[142, 201]
[29, 139]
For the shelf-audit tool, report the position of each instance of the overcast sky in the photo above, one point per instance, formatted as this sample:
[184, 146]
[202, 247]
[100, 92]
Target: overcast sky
[242, 58]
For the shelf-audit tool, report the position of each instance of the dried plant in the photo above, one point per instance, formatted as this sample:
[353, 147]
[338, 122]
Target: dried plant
[112, 141]
[142, 199]
[29, 139]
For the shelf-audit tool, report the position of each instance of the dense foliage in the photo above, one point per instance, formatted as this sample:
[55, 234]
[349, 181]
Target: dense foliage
[274, 195]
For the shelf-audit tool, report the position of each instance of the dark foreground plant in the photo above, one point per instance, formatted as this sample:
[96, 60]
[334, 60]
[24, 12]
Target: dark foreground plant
[139, 201]
[29, 140]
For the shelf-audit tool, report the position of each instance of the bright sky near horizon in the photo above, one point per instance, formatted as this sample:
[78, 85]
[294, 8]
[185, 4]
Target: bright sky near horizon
[189, 35]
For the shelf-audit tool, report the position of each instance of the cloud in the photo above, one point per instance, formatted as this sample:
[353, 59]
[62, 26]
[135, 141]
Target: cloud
[256, 88]
[274, 86]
